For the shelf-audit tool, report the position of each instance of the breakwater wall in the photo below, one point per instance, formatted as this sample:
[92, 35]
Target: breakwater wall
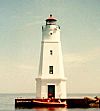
[71, 103]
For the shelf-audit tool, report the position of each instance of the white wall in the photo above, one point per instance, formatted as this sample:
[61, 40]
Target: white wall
[54, 60]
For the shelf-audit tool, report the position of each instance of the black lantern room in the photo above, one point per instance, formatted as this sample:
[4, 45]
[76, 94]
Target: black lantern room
[51, 20]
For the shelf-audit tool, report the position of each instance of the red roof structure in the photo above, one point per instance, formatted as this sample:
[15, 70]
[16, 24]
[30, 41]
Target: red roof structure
[51, 18]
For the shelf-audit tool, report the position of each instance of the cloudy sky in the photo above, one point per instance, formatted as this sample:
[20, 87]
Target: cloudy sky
[20, 38]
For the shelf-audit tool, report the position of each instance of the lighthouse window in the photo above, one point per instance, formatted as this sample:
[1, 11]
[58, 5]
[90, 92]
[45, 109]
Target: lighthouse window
[50, 69]
[50, 52]
[50, 33]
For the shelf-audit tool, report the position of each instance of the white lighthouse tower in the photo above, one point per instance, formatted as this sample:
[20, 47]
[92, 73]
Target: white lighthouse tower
[51, 81]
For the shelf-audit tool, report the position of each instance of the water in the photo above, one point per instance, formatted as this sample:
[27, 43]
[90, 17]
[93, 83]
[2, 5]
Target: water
[7, 103]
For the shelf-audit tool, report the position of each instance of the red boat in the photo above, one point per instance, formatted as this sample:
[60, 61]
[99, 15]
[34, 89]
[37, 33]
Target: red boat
[49, 104]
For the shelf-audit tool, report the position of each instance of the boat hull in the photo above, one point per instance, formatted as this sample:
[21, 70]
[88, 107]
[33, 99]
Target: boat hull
[49, 104]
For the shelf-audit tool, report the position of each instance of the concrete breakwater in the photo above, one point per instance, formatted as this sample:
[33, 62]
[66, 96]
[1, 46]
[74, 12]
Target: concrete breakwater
[71, 103]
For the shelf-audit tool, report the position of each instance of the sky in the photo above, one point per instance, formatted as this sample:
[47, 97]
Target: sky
[20, 43]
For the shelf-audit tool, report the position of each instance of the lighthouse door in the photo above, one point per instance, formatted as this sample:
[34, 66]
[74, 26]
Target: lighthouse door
[51, 91]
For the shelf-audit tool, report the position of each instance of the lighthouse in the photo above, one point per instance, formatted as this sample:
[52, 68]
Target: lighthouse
[51, 81]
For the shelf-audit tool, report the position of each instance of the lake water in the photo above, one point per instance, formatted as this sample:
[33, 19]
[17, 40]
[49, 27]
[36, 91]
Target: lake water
[7, 103]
